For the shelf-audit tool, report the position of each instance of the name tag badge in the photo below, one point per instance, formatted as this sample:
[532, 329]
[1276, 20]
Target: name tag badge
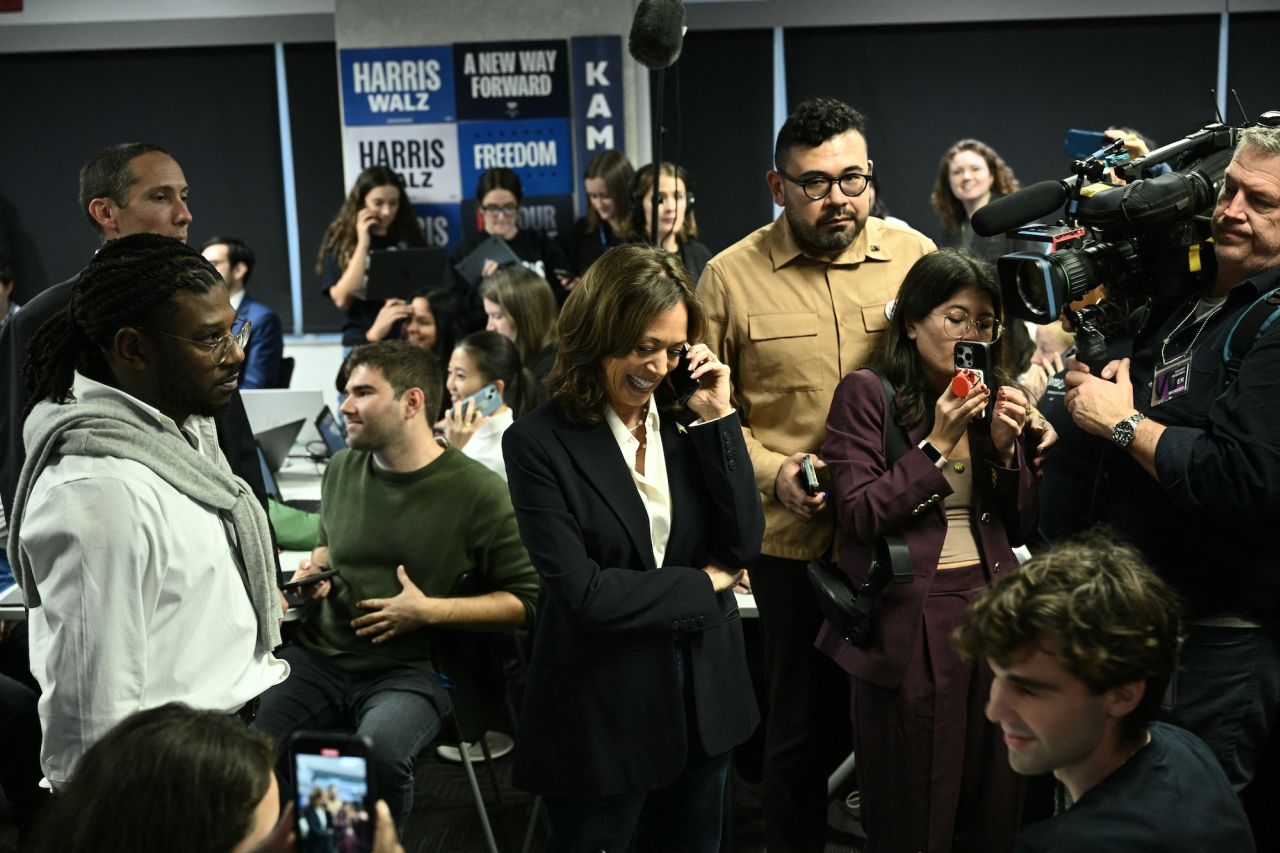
[1171, 380]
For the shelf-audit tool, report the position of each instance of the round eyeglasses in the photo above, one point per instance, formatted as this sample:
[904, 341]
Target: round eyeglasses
[818, 187]
[218, 348]
[958, 324]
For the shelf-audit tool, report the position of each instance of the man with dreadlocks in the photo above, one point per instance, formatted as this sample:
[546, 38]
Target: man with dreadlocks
[146, 564]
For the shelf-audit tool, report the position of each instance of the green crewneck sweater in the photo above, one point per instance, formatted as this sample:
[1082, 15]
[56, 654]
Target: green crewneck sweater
[449, 517]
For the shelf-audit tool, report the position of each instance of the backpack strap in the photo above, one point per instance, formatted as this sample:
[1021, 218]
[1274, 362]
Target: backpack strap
[1249, 326]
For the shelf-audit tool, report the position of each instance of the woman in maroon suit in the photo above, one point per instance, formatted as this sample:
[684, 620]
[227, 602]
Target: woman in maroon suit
[932, 771]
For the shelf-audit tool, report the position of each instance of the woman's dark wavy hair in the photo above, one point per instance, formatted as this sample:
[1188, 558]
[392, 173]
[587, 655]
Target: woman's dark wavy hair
[945, 203]
[496, 357]
[929, 283]
[167, 778]
[615, 170]
[606, 315]
[131, 281]
[340, 237]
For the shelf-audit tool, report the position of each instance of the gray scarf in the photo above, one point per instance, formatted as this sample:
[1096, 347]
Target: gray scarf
[110, 426]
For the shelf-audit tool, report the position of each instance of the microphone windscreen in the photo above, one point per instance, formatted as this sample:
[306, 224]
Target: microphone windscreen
[657, 33]
[1017, 209]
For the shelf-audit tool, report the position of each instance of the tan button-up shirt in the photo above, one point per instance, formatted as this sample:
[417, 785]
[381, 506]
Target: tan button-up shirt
[790, 326]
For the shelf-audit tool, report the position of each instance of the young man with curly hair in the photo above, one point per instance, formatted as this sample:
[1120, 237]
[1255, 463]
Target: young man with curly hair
[1083, 641]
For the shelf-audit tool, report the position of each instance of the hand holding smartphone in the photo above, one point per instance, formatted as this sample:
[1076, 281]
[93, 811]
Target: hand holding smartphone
[308, 580]
[485, 402]
[683, 384]
[973, 366]
[808, 476]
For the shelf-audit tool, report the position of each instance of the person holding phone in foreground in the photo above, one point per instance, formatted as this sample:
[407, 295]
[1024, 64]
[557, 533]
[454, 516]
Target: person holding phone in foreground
[402, 518]
[214, 778]
[490, 389]
[639, 527]
[932, 773]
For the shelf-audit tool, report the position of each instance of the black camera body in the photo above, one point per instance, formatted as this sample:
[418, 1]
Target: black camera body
[1145, 240]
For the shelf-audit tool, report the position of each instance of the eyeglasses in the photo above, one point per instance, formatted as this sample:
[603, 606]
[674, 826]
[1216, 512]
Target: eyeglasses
[498, 210]
[852, 184]
[218, 349]
[957, 324]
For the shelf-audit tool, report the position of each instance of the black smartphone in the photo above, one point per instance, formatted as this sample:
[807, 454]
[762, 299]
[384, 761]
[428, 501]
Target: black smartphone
[333, 790]
[683, 385]
[808, 476]
[289, 586]
[975, 356]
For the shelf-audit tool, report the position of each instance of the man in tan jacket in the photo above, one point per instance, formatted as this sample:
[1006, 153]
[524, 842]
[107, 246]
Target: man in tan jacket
[792, 308]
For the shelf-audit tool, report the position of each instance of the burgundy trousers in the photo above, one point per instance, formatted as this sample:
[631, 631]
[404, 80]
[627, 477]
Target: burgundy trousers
[933, 772]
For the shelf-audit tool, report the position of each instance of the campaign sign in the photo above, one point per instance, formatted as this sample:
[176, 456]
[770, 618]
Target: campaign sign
[396, 85]
[441, 223]
[424, 155]
[537, 149]
[551, 214]
[597, 100]
[511, 80]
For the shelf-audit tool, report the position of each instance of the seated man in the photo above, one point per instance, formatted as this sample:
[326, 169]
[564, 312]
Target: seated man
[402, 517]
[1083, 641]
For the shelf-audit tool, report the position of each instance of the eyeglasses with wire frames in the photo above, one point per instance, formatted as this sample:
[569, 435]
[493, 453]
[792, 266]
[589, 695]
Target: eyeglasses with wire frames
[498, 209]
[957, 324]
[218, 348]
[818, 187]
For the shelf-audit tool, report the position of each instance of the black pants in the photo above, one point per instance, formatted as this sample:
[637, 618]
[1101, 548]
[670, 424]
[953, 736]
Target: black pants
[808, 731]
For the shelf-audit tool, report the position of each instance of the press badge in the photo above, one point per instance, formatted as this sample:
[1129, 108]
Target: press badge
[1171, 380]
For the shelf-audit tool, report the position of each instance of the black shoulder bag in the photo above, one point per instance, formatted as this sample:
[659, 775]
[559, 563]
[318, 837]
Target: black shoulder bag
[846, 608]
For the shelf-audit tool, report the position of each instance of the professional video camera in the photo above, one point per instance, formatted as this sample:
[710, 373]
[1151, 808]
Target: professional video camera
[1143, 239]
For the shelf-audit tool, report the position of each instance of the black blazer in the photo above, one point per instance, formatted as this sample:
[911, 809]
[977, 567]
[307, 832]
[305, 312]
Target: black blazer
[603, 712]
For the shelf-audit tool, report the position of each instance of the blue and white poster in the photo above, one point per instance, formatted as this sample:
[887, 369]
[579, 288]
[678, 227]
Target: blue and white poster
[538, 150]
[598, 110]
[396, 85]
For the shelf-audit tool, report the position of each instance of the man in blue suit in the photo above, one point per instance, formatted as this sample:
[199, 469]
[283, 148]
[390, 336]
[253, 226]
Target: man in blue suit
[234, 260]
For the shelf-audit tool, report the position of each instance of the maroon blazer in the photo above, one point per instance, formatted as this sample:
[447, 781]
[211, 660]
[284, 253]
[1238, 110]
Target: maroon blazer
[872, 499]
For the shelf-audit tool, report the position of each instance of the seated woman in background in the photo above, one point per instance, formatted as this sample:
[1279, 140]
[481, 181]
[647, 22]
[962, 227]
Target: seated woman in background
[376, 216]
[608, 220]
[519, 305]
[933, 772]
[677, 225]
[173, 778]
[970, 175]
[498, 196]
[639, 528]
[481, 359]
[428, 320]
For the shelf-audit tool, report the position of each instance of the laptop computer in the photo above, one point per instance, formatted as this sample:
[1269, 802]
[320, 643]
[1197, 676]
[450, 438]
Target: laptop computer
[492, 249]
[275, 443]
[332, 432]
[400, 273]
[272, 486]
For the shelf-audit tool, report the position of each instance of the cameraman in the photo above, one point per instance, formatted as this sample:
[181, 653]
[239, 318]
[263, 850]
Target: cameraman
[1194, 478]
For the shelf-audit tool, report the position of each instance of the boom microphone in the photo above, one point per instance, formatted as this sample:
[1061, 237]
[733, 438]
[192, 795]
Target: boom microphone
[657, 33]
[1017, 209]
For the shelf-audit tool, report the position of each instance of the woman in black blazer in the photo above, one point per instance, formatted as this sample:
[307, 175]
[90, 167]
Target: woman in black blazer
[638, 685]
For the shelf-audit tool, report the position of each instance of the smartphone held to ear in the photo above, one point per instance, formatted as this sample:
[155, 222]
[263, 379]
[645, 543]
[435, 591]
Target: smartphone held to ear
[973, 367]
[332, 785]
[683, 385]
[486, 401]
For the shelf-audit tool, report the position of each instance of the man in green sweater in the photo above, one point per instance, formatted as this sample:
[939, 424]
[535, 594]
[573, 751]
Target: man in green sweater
[403, 518]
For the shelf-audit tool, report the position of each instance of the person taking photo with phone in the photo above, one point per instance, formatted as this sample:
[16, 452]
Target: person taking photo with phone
[490, 389]
[961, 495]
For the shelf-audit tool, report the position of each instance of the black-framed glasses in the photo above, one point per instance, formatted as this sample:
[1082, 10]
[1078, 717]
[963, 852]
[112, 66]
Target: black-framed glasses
[957, 324]
[498, 209]
[220, 348]
[818, 187]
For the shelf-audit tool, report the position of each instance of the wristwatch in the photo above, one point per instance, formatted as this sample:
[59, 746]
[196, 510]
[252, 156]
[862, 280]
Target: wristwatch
[934, 454]
[1123, 433]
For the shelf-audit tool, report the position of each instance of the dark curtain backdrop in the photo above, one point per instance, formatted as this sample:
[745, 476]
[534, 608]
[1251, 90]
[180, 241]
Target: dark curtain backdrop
[1017, 86]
